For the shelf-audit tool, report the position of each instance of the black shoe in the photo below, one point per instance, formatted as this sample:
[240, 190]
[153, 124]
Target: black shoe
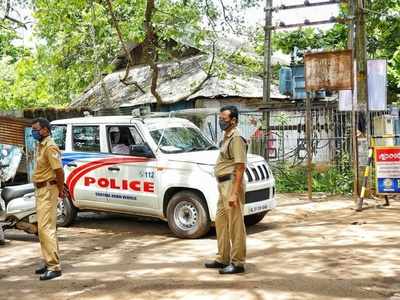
[41, 270]
[50, 275]
[214, 265]
[232, 269]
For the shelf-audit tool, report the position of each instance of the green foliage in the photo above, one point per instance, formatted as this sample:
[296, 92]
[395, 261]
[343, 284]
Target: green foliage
[290, 179]
[383, 28]
[78, 44]
[309, 38]
[251, 64]
[7, 48]
[335, 180]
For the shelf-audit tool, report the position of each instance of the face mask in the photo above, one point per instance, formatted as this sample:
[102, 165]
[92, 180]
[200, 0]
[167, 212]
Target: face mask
[36, 135]
[224, 125]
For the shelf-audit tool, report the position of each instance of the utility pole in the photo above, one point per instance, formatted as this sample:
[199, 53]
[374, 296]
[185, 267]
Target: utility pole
[354, 119]
[361, 57]
[361, 71]
[267, 68]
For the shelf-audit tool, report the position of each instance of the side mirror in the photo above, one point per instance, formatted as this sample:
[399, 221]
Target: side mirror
[142, 150]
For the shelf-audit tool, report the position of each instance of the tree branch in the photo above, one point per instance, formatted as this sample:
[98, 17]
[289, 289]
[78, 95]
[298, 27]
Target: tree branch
[13, 20]
[151, 51]
[225, 16]
[208, 76]
[124, 46]
[208, 16]
[135, 83]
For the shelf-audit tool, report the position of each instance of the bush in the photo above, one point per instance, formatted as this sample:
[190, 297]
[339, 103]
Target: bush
[335, 180]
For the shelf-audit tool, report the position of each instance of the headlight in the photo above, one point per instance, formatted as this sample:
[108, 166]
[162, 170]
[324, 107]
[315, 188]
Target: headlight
[207, 168]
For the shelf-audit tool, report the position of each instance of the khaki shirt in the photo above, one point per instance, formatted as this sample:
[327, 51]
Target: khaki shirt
[232, 155]
[48, 159]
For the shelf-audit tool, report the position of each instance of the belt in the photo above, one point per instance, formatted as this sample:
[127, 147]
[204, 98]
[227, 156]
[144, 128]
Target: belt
[224, 178]
[42, 184]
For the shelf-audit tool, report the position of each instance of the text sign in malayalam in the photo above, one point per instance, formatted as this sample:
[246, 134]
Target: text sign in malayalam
[387, 168]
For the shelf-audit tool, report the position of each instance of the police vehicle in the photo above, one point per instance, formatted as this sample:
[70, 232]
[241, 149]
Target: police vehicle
[155, 167]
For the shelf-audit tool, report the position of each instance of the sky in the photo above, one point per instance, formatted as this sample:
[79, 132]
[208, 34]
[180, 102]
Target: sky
[254, 16]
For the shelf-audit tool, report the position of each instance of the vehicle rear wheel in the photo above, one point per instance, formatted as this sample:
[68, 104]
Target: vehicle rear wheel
[66, 211]
[254, 219]
[187, 215]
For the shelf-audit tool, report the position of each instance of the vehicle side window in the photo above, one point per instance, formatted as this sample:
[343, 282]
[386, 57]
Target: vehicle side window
[86, 138]
[59, 133]
[121, 137]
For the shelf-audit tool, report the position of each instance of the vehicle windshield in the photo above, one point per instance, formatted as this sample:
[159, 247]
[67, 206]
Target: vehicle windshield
[181, 139]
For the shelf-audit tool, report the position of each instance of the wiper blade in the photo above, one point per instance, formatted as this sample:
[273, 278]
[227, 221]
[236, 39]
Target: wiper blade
[212, 147]
[192, 149]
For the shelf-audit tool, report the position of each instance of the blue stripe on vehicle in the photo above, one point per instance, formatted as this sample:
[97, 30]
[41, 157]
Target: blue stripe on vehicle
[68, 157]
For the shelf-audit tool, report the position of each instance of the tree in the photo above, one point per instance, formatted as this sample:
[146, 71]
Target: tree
[68, 29]
[309, 38]
[7, 48]
[383, 28]
[78, 40]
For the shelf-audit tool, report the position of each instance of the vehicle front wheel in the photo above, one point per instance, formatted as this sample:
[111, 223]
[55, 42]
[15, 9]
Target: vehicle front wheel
[251, 220]
[66, 211]
[187, 215]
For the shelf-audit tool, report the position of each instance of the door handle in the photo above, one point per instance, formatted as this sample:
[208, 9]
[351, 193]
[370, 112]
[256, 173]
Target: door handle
[72, 165]
[113, 169]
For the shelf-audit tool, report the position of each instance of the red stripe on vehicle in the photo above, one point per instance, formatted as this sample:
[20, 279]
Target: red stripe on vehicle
[112, 159]
[86, 168]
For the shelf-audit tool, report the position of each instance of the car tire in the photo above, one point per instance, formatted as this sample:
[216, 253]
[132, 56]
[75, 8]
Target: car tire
[187, 215]
[66, 211]
[254, 219]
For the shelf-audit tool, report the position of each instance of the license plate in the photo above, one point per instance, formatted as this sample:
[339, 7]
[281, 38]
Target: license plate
[258, 208]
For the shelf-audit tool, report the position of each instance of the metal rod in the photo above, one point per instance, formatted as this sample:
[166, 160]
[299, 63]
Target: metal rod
[307, 4]
[313, 23]
[309, 146]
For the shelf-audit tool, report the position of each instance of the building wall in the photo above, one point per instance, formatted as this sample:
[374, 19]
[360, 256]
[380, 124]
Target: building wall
[12, 130]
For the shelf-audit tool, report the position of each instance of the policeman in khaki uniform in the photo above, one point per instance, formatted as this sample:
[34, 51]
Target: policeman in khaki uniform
[48, 178]
[229, 222]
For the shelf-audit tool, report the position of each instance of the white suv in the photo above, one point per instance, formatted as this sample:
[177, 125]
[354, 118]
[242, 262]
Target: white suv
[156, 167]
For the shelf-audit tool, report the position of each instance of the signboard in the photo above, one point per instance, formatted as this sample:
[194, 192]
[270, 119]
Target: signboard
[329, 71]
[377, 84]
[377, 88]
[387, 168]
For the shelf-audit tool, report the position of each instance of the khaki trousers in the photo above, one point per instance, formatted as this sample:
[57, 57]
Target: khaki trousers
[229, 224]
[46, 210]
